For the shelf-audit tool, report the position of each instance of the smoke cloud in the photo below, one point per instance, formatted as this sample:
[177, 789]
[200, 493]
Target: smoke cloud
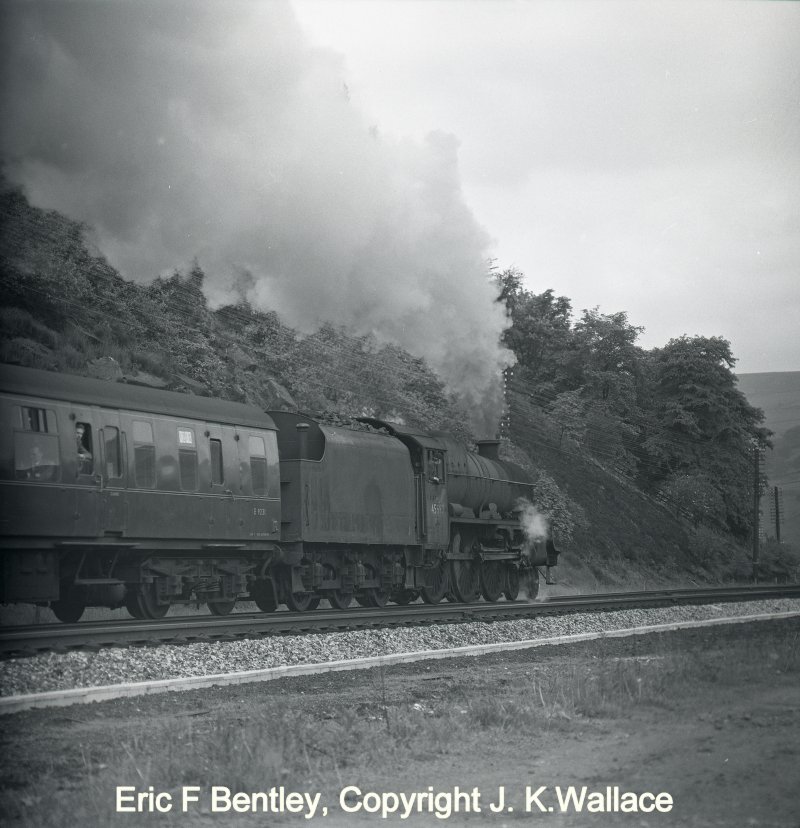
[215, 131]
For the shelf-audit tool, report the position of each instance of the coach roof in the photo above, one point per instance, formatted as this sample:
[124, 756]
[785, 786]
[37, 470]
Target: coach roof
[47, 385]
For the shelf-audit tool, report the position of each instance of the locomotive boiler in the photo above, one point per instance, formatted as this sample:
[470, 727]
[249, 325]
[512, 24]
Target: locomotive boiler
[119, 495]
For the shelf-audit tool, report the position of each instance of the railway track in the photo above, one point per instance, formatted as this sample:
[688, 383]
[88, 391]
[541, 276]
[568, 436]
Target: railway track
[29, 640]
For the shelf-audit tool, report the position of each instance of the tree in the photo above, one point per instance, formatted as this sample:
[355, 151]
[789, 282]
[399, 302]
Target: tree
[539, 330]
[701, 423]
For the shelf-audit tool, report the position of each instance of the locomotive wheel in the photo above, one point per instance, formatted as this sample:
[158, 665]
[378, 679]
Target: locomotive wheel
[493, 579]
[69, 608]
[340, 598]
[141, 602]
[531, 583]
[465, 580]
[221, 607]
[511, 589]
[302, 601]
[440, 583]
[377, 597]
[403, 597]
[264, 595]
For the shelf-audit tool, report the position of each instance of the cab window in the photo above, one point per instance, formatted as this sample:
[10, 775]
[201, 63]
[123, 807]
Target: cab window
[435, 466]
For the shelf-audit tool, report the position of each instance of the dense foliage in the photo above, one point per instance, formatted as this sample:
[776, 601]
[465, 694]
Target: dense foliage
[672, 418]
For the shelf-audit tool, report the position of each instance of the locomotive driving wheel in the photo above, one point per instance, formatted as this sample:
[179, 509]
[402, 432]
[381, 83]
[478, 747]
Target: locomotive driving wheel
[464, 573]
[512, 579]
[465, 580]
[493, 579]
[439, 583]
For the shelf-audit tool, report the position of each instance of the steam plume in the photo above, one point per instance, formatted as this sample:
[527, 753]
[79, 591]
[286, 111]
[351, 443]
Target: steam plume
[214, 131]
[535, 524]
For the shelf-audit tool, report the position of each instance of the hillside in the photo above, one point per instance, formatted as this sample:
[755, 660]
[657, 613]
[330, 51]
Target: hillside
[63, 308]
[777, 394]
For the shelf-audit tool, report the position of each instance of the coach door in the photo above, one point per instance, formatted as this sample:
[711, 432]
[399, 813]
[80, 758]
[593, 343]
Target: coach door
[82, 441]
[435, 499]
[111, 468]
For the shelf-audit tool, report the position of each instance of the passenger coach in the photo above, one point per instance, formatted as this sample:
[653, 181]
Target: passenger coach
[117, 494]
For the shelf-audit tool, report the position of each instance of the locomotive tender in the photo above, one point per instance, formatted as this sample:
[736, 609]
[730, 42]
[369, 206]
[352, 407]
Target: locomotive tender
[115, 494]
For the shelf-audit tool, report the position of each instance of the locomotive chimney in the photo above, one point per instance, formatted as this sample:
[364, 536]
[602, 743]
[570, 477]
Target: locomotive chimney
[490, 449]
[302, 440]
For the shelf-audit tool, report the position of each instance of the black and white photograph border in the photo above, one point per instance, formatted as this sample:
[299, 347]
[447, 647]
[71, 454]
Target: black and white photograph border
[400, 412]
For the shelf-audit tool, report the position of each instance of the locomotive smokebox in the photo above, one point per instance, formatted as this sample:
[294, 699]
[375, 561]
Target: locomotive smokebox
[490, 449]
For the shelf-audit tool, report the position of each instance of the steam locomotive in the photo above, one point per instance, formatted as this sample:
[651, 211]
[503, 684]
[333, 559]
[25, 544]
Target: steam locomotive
[120, 495]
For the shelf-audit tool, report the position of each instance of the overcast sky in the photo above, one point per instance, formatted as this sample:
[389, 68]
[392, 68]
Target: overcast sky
[637, 156]
[361, 161]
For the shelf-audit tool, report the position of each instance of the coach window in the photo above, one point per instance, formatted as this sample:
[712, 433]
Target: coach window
[144, 454]
[113, 452]
[83, 446]
[37, 419]
[217, 476]
[36, 456]
[187, 459]
[258, 465]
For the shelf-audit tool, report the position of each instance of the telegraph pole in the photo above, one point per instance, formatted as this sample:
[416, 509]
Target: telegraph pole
[777, 514]
[756, 505]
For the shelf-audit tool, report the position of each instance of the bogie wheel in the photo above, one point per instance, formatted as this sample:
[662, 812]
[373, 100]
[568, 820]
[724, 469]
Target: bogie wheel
[340, 598]
[511, 589]
[493, 579]
[132, 603]
[377, 597]
[403, 597]
[221, 607]
[302, 601]
[142, 603]
[439, 584]
[69, 608]
[263, 593]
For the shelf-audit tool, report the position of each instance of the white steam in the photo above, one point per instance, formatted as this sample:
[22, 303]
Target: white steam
[535, 524]
[214, 131]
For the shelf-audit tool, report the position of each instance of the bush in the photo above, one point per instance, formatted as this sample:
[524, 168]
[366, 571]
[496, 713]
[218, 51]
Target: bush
[778, 561]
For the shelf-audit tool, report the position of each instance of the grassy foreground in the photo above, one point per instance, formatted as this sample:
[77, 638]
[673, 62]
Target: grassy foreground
[322, 734]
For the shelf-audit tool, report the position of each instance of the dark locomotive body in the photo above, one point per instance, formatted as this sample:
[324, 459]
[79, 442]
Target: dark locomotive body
[114, 494]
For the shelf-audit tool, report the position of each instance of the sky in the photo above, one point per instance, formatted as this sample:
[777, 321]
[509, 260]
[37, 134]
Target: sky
[642, 157]
[361, 162]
